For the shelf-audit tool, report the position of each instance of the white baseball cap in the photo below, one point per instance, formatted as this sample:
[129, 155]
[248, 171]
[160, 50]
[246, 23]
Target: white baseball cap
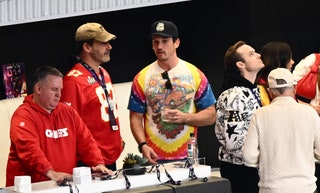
[280, 78]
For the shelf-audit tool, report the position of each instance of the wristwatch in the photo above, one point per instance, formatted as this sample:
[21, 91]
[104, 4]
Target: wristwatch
[140, 146]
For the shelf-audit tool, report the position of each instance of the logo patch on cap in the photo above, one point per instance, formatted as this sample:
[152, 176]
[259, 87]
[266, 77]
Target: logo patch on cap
[160, 27]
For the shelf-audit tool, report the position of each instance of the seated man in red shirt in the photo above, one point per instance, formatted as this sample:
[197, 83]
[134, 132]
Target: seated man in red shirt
[47, 136]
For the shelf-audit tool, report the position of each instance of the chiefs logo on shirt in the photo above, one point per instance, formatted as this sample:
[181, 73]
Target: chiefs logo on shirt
[57, 133]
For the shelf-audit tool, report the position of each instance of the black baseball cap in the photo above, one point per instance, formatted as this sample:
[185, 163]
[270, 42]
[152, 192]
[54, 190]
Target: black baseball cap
[164, 28]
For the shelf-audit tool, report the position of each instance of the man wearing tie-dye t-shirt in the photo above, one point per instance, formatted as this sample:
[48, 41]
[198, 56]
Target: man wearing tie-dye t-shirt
[176, 84]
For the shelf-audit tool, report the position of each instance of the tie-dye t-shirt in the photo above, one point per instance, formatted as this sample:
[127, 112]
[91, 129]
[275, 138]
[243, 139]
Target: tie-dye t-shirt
[190, 93]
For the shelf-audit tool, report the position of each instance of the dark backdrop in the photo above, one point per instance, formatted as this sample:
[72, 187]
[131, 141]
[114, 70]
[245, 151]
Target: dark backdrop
[207, 28]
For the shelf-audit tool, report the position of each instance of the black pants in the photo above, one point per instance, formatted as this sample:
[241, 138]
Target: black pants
[242, 179]
[112, 167]
[317, 174]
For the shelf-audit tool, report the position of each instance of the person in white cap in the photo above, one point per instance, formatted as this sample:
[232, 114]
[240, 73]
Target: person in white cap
[89, 89]
[283, 139]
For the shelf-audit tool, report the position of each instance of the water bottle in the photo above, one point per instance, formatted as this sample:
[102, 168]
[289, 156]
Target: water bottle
[192, 148]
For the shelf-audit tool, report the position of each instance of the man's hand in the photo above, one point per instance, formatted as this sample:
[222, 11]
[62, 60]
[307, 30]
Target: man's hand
[148, 153]
[102, 168]
[57, 176]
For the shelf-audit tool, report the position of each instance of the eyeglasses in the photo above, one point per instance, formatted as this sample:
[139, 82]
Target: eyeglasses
[168, 84]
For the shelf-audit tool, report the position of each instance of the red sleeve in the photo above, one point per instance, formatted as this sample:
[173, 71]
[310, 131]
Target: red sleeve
[25, 138]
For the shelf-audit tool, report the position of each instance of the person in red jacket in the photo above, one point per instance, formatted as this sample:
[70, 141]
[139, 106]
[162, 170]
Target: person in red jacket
[47, 136]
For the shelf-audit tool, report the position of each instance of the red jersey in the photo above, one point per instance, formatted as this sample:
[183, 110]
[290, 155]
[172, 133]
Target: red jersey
[85, 94]
[41, 141]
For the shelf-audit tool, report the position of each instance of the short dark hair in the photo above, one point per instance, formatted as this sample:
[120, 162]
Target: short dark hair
[231, 57]
[280, 90]
[42, 72]
[78, 45]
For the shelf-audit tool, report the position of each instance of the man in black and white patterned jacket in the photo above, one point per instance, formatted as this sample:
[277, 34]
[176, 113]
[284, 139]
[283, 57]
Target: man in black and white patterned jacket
[238, 101]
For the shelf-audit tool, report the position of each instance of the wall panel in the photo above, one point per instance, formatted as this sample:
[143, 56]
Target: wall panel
[23, 11]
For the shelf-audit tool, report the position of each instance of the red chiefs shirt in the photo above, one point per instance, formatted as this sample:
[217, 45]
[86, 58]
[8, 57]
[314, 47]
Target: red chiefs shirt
[84, 93]
[41, 141]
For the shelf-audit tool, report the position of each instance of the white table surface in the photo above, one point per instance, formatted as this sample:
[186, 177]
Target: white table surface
[98, 185]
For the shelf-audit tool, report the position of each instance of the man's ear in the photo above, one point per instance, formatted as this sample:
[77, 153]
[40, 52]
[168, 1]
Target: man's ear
[240, 64]
[86, 47]
[270, 93]
[177, 43]
[37, 88]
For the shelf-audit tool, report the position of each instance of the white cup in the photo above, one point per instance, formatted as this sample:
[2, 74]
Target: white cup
[164, 113]
[22, 184]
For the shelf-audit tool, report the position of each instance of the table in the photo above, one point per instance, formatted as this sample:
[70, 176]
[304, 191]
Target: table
[136, 181]
[214, 184]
